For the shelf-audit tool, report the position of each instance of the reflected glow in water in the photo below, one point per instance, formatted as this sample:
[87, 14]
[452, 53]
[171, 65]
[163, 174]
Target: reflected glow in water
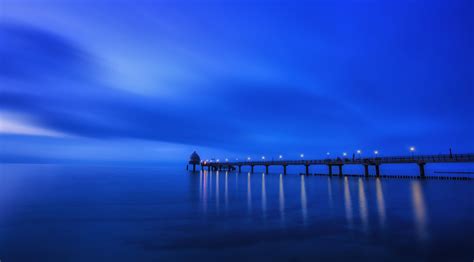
[281, 199]
[380, 201]
[304, 208]
[226, 191]
[330, 197]
[264, 197]
[364, 214]
[419, 210]
[348, 202]
[249, 194]
[217, 190]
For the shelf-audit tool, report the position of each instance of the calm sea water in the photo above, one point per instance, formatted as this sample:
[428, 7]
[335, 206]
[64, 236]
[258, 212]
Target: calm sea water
[80, 213]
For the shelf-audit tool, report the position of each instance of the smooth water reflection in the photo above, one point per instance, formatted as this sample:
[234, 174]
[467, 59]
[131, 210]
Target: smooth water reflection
[139, 214]
[304, 208]
[281, 200]
[419, 210]
[364, 214]
[348, 202]
[264, 197]
[380, 201]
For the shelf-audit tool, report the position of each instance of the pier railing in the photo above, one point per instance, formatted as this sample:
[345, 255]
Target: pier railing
[420, 160]
[440, 158]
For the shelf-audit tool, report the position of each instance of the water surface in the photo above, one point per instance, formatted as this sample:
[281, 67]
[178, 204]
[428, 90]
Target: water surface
[92, 213]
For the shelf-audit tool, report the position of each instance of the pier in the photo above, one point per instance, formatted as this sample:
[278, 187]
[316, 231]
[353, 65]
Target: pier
[339, 163]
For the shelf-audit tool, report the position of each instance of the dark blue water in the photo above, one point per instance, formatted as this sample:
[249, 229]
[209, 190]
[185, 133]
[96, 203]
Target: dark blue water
[78, 213]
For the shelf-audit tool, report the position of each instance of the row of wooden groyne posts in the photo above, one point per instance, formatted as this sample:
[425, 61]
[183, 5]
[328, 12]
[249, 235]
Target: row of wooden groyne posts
[376, 162]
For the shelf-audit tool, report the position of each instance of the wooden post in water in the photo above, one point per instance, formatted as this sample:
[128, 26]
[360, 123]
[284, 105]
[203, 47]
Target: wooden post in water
[377, 170]
[422, 169]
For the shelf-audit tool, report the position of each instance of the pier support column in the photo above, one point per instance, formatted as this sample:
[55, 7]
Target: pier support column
[340, 170]
[251, 168]
[209, 168]
[377, 170]
[194, 167]
[366, 170]
[422, 169]
[240, 168]
[187, 167]
[266, 169]
[330, 170]
[307, 170]
[284, 169]
[220, 168]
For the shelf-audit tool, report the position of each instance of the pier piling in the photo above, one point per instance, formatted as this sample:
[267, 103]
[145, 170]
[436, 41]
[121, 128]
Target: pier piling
[366, 170]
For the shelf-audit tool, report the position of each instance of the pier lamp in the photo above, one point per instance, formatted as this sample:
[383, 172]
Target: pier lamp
[359, 152]
[328, 153]
[236, 159]
[248, 158]
[301, 155]
[227, 160]
[263, 158]
[376, 152]
[217, 160]
[412, 150]
[280, 156]
[344, 154]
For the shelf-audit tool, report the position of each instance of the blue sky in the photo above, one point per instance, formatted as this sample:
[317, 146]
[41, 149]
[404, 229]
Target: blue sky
[151, 81]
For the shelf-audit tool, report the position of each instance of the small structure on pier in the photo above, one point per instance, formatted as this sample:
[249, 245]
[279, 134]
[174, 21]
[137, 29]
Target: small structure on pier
[194, 160]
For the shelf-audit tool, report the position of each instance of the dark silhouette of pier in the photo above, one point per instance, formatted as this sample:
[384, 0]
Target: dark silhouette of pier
[376, 162]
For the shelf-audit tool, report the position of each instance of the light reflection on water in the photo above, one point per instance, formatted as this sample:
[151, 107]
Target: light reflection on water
[281, 200]
[419, 210]
[249, 194]
[380, 202]
[364, 214]
[348, 202]
[264, 197]
[304, 208]
[226, 191]
[330, 197]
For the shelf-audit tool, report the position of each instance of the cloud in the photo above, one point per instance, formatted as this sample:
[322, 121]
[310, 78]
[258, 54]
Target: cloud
[67, 96]
[18, 125]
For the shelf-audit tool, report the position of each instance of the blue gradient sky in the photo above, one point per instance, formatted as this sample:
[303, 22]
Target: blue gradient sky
[151, 81]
